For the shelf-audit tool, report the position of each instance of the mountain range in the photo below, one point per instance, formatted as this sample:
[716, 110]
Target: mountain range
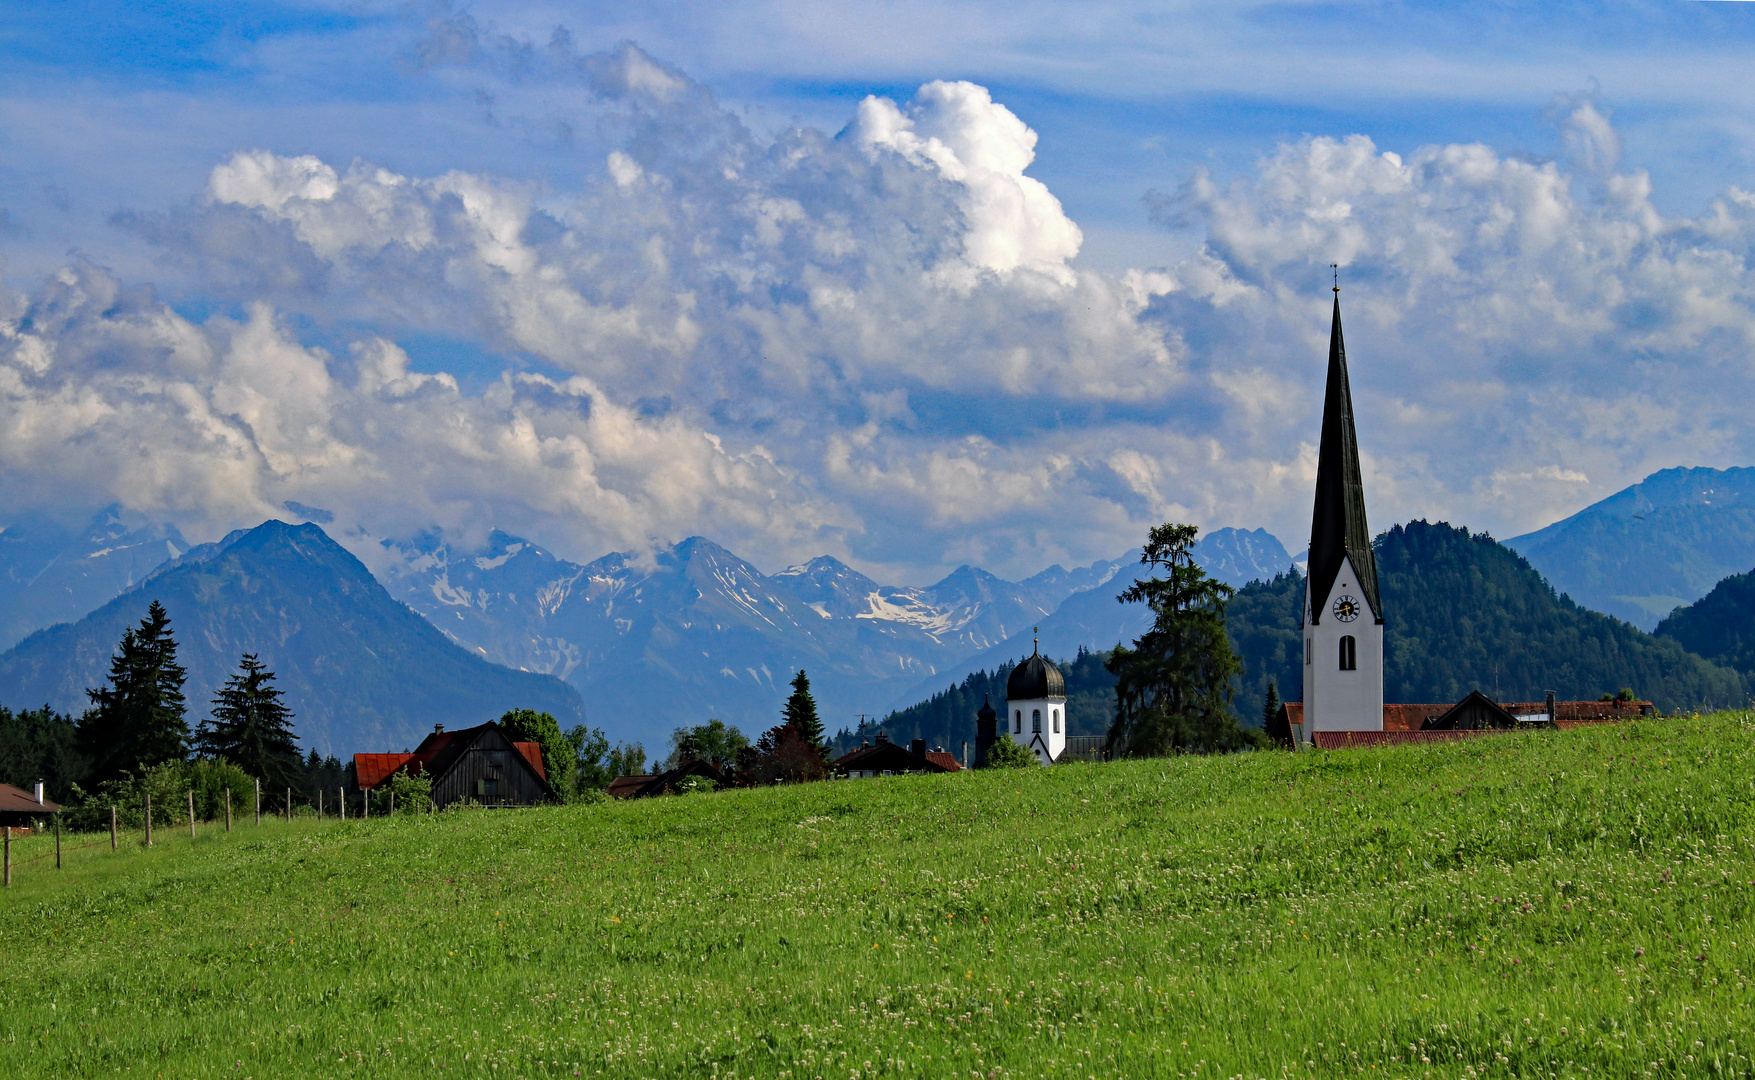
[49, 574]
[693, 631]
[698, 632]
[1652, 547]
[359, 669]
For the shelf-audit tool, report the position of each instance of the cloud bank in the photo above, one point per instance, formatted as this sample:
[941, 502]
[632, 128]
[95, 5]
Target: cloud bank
[878, 343]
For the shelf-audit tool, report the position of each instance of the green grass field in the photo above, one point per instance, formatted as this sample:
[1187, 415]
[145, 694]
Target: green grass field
[1552, 905]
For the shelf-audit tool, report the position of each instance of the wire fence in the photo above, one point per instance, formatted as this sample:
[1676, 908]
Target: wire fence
[154, 820]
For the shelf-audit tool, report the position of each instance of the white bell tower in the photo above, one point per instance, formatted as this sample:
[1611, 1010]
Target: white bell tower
[1343, 612]
[1035, 707]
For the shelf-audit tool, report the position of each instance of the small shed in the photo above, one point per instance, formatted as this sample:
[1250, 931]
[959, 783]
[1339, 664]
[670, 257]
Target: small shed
[20, 808]
[885, 758]
[480, 764]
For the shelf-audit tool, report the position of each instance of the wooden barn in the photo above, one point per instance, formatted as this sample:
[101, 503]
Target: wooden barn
[479, 764]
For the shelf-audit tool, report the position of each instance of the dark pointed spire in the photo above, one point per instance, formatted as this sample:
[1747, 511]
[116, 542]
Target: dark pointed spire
[1337, 527]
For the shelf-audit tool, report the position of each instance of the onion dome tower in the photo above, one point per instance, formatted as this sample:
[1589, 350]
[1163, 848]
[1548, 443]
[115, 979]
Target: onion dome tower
[1035, 702]
[1343, 614]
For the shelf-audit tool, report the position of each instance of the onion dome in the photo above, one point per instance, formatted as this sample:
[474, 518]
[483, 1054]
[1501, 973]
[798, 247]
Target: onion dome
[1035, 678]
[987, 714]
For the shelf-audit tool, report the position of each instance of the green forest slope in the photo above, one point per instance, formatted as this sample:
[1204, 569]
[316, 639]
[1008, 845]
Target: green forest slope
[1720, 625]
[1465, 613]
[1569, 904]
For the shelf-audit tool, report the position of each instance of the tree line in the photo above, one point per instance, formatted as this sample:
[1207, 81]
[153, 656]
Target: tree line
[134, 740]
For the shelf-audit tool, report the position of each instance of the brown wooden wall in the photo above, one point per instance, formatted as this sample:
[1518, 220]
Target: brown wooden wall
[492, 758]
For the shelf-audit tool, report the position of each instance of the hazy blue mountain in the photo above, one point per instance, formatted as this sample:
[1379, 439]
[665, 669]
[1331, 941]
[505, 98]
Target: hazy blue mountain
[1093, 619]
[1652, 547]
[698, 632]
[361, 670]
[1240, 556]
[51, 575]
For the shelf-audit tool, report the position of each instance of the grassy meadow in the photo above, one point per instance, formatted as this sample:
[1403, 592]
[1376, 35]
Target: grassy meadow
[1545, 905]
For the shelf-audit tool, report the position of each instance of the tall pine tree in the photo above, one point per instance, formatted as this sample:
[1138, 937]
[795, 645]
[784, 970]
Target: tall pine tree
[801, 713]
[1173, 688]
[251, 728]
[137, 720]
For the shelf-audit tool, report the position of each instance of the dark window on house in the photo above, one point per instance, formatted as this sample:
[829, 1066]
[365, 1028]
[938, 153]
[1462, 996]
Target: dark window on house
[1349, 655]
[1036, 721]
[1057, 721]
[1018, 722]
[489, 789]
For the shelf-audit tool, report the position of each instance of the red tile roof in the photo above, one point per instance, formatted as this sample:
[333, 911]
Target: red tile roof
[1567, 714]
[370, 770]
[533, 753]
[945, 760]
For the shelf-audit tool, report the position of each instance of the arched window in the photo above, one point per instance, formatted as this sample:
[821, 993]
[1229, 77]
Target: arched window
[1057, 721]
[1349, 656]
[1018, 722]
[1036, 721]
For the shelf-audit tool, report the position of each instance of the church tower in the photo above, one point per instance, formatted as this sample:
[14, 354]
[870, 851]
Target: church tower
[1343, 615]
[1035, 703]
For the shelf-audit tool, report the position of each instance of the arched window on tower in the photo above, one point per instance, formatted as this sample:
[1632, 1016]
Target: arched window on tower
[1057, 721]
[1035, 721]
[1349, 654]
[1018, 722]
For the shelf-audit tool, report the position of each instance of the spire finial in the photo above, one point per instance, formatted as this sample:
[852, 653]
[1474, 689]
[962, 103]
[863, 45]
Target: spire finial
[1336, 267]
[1035, 642]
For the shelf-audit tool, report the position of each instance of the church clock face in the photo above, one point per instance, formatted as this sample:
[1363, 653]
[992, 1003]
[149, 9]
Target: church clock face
[1346, 609]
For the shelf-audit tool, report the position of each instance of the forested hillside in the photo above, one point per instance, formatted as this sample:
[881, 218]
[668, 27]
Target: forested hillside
[1465, 613]
[1720, 625]
[948, 717]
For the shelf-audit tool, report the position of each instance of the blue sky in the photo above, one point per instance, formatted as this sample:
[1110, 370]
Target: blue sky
[667, 301]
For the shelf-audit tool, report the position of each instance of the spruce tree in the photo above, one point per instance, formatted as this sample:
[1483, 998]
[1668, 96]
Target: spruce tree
[137, 721]
[1270, 710]
[1173, 688]
[251, 728]
[801, 713]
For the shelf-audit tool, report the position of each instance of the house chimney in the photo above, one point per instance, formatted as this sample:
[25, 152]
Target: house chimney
[39, 793]
[883, 737]
[918, 748]
[965, 762]
[438, 729]
[1550, 707]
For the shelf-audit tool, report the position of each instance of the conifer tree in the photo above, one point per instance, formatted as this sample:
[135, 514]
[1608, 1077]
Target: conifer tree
[801, 712]
[137, 720]
[251, 727]
[1270, 710]
[1173, 688]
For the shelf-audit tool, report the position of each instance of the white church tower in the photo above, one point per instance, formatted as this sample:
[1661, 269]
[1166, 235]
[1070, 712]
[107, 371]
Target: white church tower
[1035, 707]
[1343, 615]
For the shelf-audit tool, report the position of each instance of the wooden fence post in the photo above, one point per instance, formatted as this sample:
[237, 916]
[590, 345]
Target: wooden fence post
[319, 806]
[365, 805]
[112, 826]
[289, 806]
[57, 839]
[258, 802]
[191, 813]
[9, 856]
[392, 802]
[228, 809]
[341, 801]
[149, 821]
